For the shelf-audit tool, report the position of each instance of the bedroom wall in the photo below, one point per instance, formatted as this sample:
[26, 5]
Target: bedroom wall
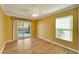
[78, 28]
[2, 29]
[9, 28]
[34, 28]
[46, 28]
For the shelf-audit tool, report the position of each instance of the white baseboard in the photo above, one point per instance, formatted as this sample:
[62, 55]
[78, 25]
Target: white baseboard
[2, 48]
[4, 45]
[10, 41]
[59, 44]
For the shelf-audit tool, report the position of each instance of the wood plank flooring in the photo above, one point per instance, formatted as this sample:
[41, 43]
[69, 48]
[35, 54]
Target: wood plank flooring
[34, 46]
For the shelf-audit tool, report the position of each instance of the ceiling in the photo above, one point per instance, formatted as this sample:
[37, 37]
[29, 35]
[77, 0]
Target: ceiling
[26, 10]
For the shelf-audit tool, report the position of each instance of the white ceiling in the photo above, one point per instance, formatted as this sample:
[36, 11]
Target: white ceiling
[26, 10]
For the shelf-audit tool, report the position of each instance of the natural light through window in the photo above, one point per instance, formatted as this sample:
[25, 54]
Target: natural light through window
[64, 28]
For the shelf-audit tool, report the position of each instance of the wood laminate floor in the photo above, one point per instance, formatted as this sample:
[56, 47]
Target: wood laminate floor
[34, 46]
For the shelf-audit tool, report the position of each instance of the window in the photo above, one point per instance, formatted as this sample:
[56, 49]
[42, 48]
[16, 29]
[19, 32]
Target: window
[64, 27]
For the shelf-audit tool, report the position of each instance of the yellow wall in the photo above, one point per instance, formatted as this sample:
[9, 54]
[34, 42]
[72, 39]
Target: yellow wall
[9, 28]
[2, 29]
[34, 28]
[43, 28]
[78, 28]
[46, 28]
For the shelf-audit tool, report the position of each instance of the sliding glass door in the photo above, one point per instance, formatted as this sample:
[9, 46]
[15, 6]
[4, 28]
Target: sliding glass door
[26, 29]
[23, 29]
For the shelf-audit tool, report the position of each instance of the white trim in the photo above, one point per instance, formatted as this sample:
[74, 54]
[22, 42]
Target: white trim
[42, 16]
[10, 41]
[59, 11]
[58, 44]
[2, 48]
[4, 45]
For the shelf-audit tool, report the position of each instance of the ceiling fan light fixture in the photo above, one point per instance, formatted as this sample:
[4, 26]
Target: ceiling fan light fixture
[34, 15]
[35, 12]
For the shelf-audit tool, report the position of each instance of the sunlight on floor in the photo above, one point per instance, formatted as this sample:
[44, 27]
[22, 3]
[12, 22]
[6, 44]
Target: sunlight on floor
[34, 46]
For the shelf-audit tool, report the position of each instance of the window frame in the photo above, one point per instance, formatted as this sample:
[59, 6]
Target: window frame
[71, 40]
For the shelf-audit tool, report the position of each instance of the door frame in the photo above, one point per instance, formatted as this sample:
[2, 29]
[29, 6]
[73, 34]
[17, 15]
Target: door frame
[15, 28]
